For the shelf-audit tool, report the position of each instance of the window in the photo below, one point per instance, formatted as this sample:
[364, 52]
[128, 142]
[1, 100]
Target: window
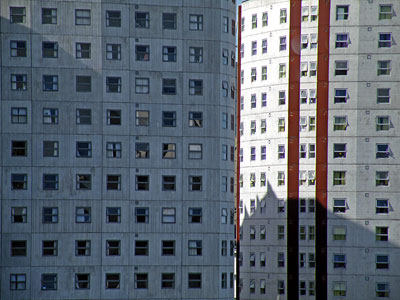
[382, 123]
[19, 115]
[167, 280]
[281, 287]
[384, 67]
[49, 248]
[224, 152]
[305, 11]
[18, 48]
[113, 248]
[224, 216]
[263, 126]
[281, 178]
[241, 50]
[169, 54]
[169, 151]
[49, 282]
[264, 19]
[339, 288]
[304, 41]
[82, 281]
[304, 69]
[340, 123]
[254, 21]
[282, 71]
[113, 18]
[281, 125]
[142, 214]
[50, 49]
[264, 46]
[142, 19]
[313, 41]
[224, 280]
[113, 52]
[339, 261]
[113, 84]
[18, 248]
[385, 12]
[142, 150]
[83, 50]
[142, 182]
[263, 151]
[253, 153]
[382, 178]
[302, 205]
[83, 215]
[113, 117]
[339, 233]
[341, 96]
[253, 47]
[50, 83]
[19, 215]
[168, 215]
[19, 148]
[19, 82]
[142, 85]
[225, 24]
[311, 205]
[382, 290]
[282, 98]
[19, 181]
[112, 280]
[224, 248]
[282, 16]
[83, 182]
[385, 40]
[302, 177]
[113, 150]
[313, 96]
[195, 248]
[339, 150]
[342, 12]
[82, 17]
[382, 206]
[195, 87]
[382, 261]
[17, 282]
[50, 181]
[168, 183]
[169, 86]
[142, 52]
[17, 14]
[252, 227]
[113, 214]
[50, 215]
[264, 73]
[195, 119]
[141, 248]
[195, 151]
[382, 233]
[196, 22]
[196, 54]
[194, 280]
[383, 95]
[282, 43]
[114, 182]
[341, 67]
[281, 232]
[195, 183]
[311, 260]
[281, 151]
[342, 40]
[225, 56]
[253, 74]
[339, 205]
[167, 247]
[83, 84]
[302, 284]
[339, 177]
[142, 118]
[83, 149]
[82, 248]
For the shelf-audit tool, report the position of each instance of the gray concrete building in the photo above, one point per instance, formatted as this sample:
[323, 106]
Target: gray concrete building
[117, 149]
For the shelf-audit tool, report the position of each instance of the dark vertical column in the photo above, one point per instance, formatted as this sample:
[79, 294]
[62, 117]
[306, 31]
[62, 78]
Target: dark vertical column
[238, 94]
[322, 151]
[293, 151]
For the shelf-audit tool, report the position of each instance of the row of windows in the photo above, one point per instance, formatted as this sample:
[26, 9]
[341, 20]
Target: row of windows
[113, 215]
[49, 281]
[304, 204]
[280, 260]
[385, 40]
[385, 12]
[264, 19]
[382, 206]
[113, 18]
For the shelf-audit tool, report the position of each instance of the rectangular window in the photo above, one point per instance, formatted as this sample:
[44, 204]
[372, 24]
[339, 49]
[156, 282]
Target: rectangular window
[142, 182]
[195, 151]
[113, 52]
[168, 248]
[339, 288]
[49, 248]
[82, 248]
[113, 248]
[112, 280]
[19, 115]
[281, 260]
[383, 95]
[313, 96]
[339, 261]
[50, 181]
[264, 46]
[195, 54]
[17, 14]
[113, 117]
[264, 73]
[382, 290]
[142, 214]
[142, 150]
[169, 54]
[48, 282]
[341, 67]
[168, 151]
[283, 16]
[282, 43]
[265, 19]
[142, 85]
[113, 84]
[305, 12]
[82, 281]
[282, 70]
[82, 17]
[18, 48]
[339, 233]
[304, 41]
[113, 214]
[19, 181]
[384, 67]
[195, 248]
[19, 82]
[114, 182]
[113, 18]
[50, 83]
[341, 96]
[196, 22]
[382, 206]
[169, 86]
[382, 233]
[339, 177]
[340, 123]
[195, 119]
[382, 261]
[50, 215]
[195, 87]
[83, 50]
[49, 49]
[83, 84]
[385, 40]
[142, 19]
[18, 248]
[281, 125]
[382, 123]
[113, 150]
[19, 215]
[168, 183]
[342, 12]
[385, 12]
[382, 178]
[168, 215]
[50, 115]
[19, 148]
[167, 280]
[225, 56]
[17, 282]
[194, 280]
[195, 183]
[169, 20]
[339, 205]
[83, 215]
[142, 118]
[342, 40]
[339, 150]
[141, 248]
[83, 149]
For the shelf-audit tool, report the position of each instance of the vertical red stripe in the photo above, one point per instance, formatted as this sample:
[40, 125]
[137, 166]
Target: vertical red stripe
[293, 151]
[322, 151]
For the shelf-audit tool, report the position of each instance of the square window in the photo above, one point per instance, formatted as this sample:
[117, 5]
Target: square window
[114, 150]
[113, 117]
[385, 40]
[49, 15]
[114, 182]
[19, 215]
[142, 52]
[339, 233]
[19, 82]
[383, 95]
[142, 150]
[169, 119]
[340, 123]
[382, 261]
[18, 248]
[195, 119]
[113, 51]
[142, 85]
[169, 20]
[113, 214]
[83, 182]
[83, 215]
[339, 205]
[385, 12]
[382, 178]
[339, 288]
[384, 67]
[382, 233]
[339, 177]
[382, 290]
[195, 215]
[50, 215]
[195, 54]
[342, 12]
[142, 19]
[195, 87]
[341, 67]
[339, 150]
[341, 96]
[83, 149]
[168, 215]
[169, 54]
[196, 22]
[82, 17]
[195, 183]
[168, 280]
[83, 84]
[194, 280]
[50, 83]
[19, 181]
[50, 49]
[49, 282]
[168, 248]
[50, 181]
[113, 84]
[342, 40]
[82, 248]
[141, 248]
[17, 282]
[113, 248]
[382, 206]
[82, 281]
[169, 86]
[83, 50]
[19, 115]
[195, 151]
[84, 116]
[49, 248]
[50, 115]
[19, 148]
[113, 281]
[142, 214]
[141, 281]
[142, 182]
[339, 261]
[113, 18]
[168, 183]
[168, 151]
[18, 48]
[142, 118]
[382, 123]
[17, 15]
